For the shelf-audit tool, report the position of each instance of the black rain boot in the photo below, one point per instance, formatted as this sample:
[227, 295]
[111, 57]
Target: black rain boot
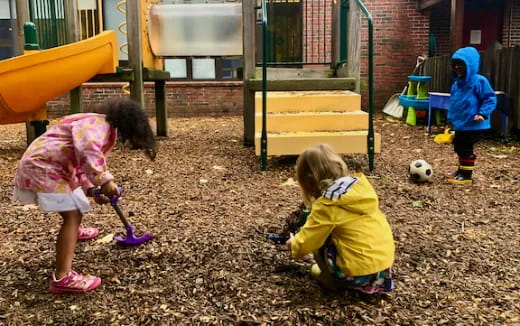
[453, 174]
[465, 173]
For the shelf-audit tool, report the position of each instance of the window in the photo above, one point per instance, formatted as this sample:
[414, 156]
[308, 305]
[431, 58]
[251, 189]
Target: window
[209, 68]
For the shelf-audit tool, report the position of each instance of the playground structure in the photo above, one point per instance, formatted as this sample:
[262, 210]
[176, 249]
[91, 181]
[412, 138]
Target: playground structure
[318, 105]
[289, 109]
[70, 65]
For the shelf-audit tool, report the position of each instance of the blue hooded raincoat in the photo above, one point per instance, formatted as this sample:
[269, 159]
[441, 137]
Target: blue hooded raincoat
[470, 95]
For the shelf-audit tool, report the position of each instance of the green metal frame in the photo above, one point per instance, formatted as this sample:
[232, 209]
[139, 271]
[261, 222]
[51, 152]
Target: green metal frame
[370, 137]
[265, 63]
[265, 52]
[51, 28]
[34, 129]
[343, 14]
[272, 41]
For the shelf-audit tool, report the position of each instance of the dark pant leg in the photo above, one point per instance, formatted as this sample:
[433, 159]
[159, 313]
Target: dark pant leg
[463, 144]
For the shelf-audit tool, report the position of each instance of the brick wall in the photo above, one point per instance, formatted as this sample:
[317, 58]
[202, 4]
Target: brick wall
[183, 99]
[400, 35]
[440, 25]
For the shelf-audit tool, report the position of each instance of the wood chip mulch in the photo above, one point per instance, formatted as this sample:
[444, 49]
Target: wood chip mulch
[210, 210]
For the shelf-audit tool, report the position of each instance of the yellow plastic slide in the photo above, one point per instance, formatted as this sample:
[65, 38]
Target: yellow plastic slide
[27, 82]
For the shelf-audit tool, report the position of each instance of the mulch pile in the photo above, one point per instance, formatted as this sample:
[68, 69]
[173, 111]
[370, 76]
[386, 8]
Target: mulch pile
[210, 209]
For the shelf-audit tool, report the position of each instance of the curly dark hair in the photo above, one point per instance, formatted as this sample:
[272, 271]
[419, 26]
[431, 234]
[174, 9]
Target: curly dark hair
[131, 123]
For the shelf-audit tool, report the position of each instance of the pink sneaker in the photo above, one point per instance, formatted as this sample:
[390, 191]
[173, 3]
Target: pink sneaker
[87, 233]
[74, 283]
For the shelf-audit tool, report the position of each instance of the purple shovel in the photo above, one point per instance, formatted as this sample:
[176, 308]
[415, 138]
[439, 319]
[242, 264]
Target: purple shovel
[130, 239]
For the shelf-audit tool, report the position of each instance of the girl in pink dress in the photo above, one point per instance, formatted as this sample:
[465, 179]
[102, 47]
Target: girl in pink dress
[64, 166]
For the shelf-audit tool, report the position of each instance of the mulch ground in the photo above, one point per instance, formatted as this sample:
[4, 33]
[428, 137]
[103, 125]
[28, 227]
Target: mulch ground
[211, 209]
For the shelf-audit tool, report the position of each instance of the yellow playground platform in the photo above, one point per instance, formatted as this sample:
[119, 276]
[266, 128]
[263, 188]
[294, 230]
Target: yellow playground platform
[30, 80]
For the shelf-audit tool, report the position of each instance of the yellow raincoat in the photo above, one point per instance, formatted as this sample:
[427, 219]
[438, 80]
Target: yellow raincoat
[359, 230]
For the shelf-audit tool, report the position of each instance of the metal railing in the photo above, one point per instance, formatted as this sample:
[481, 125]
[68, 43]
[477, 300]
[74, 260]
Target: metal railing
[265, 50]
[266, 62]
[49, 18]
[299, 32]
[370, 137]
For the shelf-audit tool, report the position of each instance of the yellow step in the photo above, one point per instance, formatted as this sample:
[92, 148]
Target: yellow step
[309, 101]
[313, 121]
[346, 142]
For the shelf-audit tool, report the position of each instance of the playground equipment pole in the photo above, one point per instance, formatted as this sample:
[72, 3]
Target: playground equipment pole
[135, 57]
[22, 15]
[34, 129]
[370, 137]
[265, 56]
[72, 30]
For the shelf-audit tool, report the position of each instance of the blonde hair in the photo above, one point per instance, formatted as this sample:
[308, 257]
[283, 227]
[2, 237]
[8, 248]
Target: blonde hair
[316, 168]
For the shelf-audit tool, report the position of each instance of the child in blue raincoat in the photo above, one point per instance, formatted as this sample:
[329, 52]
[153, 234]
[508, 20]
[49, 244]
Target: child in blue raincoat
[472, 101]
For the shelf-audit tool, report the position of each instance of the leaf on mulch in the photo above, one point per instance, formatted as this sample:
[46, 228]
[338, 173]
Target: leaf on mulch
[503, 149]
[106, 239]
[418, 203]
[290, 183]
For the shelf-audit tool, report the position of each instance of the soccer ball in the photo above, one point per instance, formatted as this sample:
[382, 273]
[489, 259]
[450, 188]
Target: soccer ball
[421, 171]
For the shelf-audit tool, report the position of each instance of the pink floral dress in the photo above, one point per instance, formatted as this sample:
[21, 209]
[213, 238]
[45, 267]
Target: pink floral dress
[70, 155]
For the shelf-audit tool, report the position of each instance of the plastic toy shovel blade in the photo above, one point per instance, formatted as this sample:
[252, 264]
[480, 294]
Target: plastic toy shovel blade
[131, 239]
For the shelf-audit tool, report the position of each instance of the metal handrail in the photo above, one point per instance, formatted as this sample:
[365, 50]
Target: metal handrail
[265, 52]
[370, 136]
[265, 59]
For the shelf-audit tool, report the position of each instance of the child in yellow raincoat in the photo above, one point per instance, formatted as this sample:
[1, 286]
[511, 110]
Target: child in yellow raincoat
[350, 237]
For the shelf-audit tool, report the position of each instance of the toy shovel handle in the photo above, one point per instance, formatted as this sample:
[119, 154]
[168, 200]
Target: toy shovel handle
[114, 199]
[113, 202]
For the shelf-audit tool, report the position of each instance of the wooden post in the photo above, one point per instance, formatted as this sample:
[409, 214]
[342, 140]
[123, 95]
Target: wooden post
[249, 21]
[456, 24]
[354, 43]
[22, 16]
[72, 29]
[161, 114]
[135, 59]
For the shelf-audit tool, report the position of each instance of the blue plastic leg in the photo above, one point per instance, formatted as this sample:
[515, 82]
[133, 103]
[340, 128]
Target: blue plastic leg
[429, 118]
[503, 120]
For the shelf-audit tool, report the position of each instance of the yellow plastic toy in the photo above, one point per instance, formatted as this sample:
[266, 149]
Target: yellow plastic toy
[445, 138]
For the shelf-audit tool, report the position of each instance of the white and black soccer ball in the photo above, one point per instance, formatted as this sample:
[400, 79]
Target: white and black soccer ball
[421, 171]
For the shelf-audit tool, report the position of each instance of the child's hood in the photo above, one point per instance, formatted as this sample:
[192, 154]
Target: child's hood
[355, 194]
[471, 58]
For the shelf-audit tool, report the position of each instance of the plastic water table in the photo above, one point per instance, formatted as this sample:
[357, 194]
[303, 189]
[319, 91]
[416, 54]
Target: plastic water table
[416, 97]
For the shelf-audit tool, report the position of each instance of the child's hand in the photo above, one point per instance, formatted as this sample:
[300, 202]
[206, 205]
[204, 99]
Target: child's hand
[110, 189]
[479, 118]
[101, 199]
[288, 243]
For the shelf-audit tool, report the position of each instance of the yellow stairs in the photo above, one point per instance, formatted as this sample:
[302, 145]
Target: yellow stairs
[299, 119]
